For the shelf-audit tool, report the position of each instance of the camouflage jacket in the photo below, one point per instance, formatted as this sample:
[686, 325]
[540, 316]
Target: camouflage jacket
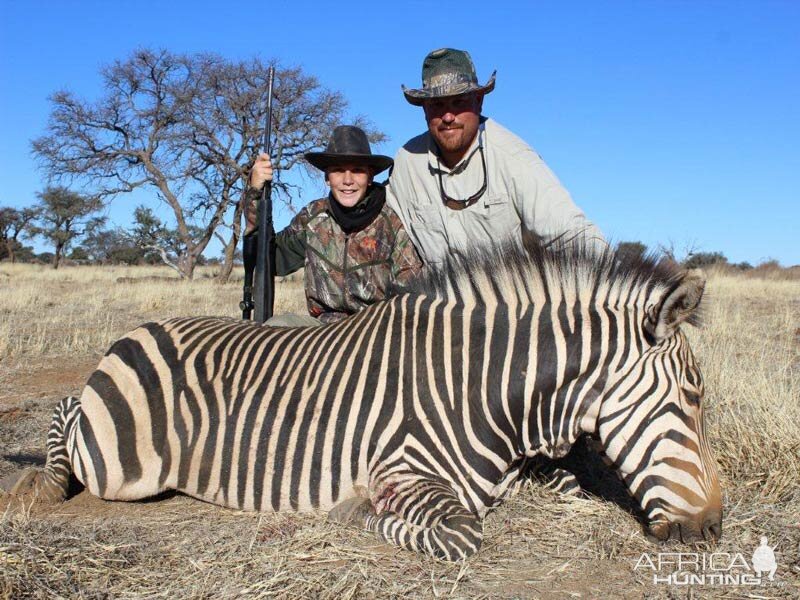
[345, 273]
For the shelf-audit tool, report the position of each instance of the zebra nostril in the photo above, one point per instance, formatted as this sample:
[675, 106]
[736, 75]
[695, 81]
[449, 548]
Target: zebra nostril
[712, 529]
[658, 531]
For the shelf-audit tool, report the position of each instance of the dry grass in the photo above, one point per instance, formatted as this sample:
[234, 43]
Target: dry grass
[537, 544]
[82, 310]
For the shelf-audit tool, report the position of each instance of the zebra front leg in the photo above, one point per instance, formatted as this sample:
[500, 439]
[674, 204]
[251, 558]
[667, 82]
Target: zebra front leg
[425, 517]
[49, 484]
[559, 480]
[585, 458]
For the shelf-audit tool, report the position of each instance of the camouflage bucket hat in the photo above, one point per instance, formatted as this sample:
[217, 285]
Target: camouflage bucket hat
[348, 144]
[447, 72]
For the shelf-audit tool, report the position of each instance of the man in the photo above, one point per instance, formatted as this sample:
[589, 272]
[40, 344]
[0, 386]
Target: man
[469, 181]
[353, 246]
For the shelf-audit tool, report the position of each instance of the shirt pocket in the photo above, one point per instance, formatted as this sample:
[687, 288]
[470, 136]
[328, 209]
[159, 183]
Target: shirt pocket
[495, 205]
[495, 221]
[429, 234]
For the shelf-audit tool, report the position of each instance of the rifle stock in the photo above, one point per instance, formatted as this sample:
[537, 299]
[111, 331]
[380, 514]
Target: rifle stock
[249, 251]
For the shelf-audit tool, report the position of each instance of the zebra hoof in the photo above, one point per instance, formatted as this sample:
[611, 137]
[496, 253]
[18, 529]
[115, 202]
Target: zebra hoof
[32, 484]
[19, 483]
[561, 481]
[351, 511]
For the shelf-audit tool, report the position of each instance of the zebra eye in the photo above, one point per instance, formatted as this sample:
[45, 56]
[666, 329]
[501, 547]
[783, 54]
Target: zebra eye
[692, 397]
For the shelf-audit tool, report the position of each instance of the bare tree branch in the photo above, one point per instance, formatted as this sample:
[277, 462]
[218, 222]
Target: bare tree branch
[189, 127]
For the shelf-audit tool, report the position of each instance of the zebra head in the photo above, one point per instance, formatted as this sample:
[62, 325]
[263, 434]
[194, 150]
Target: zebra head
[651, 422]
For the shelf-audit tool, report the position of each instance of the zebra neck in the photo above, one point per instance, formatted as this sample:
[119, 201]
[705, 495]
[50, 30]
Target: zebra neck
[567, 356]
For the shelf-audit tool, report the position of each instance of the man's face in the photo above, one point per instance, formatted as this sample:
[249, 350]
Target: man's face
[348, 182]
[453, 122]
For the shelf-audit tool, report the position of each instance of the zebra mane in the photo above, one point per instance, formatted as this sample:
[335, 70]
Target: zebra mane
[576, 269]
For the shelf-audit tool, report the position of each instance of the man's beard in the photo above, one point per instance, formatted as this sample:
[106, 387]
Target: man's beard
[450, 142]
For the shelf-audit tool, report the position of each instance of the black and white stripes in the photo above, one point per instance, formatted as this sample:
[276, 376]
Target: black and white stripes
[413, 417]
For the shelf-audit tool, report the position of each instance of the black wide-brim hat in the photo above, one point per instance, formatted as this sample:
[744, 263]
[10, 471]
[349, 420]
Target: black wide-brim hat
[447, 72]
[349, 144]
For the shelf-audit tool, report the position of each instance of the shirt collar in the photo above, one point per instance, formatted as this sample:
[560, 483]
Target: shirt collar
[437, 165]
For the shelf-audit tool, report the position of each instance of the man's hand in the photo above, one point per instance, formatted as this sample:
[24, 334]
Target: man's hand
[259, 174]
[261, 171]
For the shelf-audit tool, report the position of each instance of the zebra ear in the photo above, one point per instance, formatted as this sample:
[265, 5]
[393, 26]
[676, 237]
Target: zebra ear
[679, 305]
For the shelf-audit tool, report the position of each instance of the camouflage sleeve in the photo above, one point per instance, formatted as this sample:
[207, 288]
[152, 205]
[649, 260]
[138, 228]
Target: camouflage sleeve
[249, 204]
[406, 264]
[290, 245]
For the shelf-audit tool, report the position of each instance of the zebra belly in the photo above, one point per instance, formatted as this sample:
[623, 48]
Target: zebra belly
[160, 414]
[300, 503]
[126, 450]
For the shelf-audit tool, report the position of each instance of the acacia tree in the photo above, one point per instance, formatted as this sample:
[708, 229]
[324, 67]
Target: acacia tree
[631, 250]
[187, 127]
[153, 237]
[14, 225]
[114, 246]
[62, 216]
[699, 260]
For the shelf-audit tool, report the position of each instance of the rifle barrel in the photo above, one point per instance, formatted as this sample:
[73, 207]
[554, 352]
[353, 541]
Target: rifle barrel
[265, 270]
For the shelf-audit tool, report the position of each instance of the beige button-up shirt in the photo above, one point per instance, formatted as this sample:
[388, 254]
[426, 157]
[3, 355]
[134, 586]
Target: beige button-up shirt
[520, 189]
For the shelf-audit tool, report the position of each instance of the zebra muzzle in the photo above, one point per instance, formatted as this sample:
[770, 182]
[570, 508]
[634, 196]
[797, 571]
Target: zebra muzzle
[707, 529]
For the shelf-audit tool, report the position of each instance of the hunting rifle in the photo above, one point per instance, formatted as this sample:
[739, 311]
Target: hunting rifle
[258, 245]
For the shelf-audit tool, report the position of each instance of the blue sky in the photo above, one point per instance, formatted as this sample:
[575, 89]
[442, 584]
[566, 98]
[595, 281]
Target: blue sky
[669, 122]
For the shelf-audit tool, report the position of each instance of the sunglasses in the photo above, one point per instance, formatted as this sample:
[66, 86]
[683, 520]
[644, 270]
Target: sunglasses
[455, 204]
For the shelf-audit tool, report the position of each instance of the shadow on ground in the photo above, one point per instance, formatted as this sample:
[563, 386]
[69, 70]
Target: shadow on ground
[596, 478]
